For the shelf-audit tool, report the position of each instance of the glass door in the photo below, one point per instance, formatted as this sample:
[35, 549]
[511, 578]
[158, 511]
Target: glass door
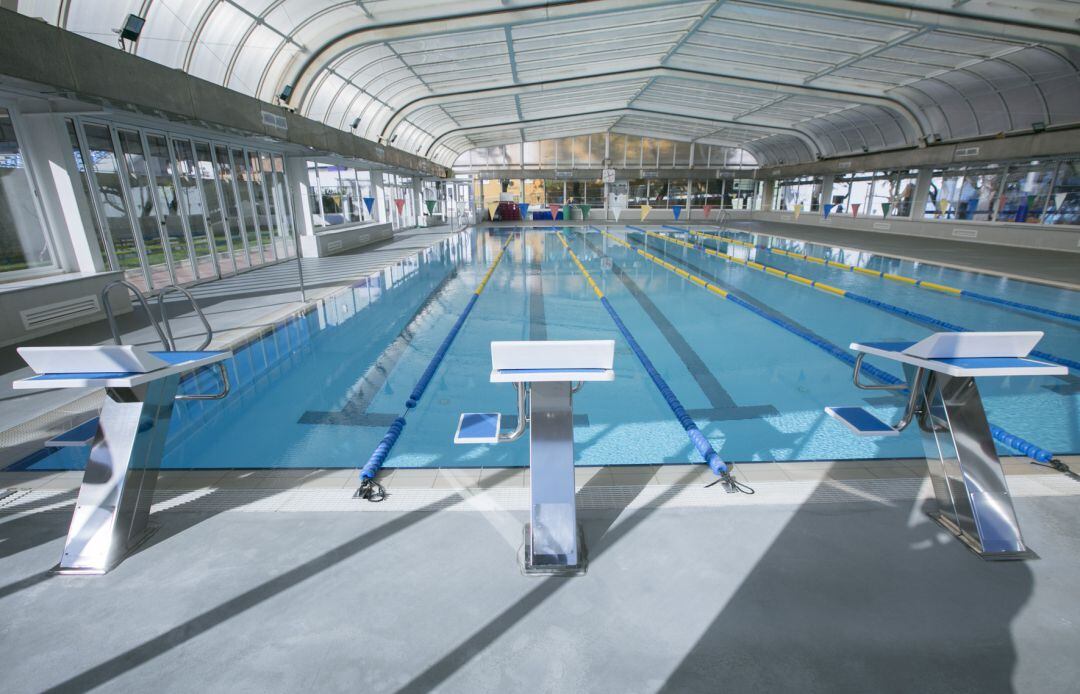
[230, 208]
[193, 208]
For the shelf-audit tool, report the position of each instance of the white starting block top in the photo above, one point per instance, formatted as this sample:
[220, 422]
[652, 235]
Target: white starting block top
[106, 366]
[552, 360]
[968, 354]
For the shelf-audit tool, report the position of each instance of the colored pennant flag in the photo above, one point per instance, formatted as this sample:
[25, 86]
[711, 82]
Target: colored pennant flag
[645, 210]
[827, 209]
[676, 210]
[707, 209]
[797, 209]
[369, 203]
[567, 212]
[585, 209]
[943, 205]
[618, 211]
[855, 208]
[400, 204]
[430, 204]
[554, 209]
[1059, 200]
[523, 209]
[885, 207]
[492, 207]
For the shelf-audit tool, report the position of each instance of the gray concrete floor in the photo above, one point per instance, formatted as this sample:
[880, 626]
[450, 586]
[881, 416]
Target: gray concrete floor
[236, 308]
[745, 596]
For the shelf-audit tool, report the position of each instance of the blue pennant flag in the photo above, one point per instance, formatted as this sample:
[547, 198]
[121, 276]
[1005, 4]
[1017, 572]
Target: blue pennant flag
[828, 209]
[369, 202]
[677, 209]
[524, 209]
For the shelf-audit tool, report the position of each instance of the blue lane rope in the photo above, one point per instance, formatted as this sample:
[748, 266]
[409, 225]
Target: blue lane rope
[369, 489]
[1017, 304]
[1025, 447]
[930, 320]
[962, 292]
[697, 438]
[715, 462]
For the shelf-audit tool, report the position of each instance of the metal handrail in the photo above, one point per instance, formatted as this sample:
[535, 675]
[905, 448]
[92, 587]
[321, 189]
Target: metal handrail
[522, 416]
[198, 311]
[867, 386]
[212, 396]
[107, 305]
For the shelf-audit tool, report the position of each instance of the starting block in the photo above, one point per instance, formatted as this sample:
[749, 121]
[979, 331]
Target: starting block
[544, 374]
[969, 483]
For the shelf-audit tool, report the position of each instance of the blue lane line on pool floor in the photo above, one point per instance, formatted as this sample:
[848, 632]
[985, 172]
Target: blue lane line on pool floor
[722, 406]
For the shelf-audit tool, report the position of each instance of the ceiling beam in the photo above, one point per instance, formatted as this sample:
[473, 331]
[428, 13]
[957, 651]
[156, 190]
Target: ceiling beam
[777, 87]
[810, 143]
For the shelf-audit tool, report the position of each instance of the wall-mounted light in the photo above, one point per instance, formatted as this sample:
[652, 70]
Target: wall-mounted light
[393, 138]
[1038, 126]
[131, 30]
[355, 123]
[865, 149]
[286, 93]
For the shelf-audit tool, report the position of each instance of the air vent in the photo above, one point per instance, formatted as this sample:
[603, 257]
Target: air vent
[60, 312]
[967, 152]
[966, 233]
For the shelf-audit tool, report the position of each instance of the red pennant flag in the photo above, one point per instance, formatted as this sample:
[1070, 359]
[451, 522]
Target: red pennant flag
[400, 202]
[855, 209]
[554, 210]
[707, 209]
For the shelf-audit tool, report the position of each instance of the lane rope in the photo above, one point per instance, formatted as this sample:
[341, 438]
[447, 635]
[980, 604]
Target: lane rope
[846, 293]
[1017, 443]
[369, 488]
[697, 438]
[922, 284]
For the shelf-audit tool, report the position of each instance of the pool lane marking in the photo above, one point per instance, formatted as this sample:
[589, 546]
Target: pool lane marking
[354, 411]
[697, 438]
[923, 284]
[386, 444]
[723, 406]
[883, 306]
[1027, 448]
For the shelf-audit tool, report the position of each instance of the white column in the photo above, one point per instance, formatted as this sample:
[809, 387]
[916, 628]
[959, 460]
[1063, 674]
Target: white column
[47, 148]
[296, 178]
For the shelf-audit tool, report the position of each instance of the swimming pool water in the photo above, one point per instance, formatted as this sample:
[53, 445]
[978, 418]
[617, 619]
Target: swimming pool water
[320, 389]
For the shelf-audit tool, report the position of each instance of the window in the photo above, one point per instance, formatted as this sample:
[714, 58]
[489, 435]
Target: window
[108, 262]
[677, 192]
[964, 193]
[554, 190]
[1024, 194]
[1064, 204]
[638, 193]
[594, 193]
[805, 191]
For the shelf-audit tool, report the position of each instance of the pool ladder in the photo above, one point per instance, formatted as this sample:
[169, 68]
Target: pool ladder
[163, 328]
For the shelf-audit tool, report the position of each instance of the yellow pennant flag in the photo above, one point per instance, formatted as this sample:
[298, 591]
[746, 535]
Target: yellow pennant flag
[943, 205]
[645, 210]
[798, 210]
[491, 208]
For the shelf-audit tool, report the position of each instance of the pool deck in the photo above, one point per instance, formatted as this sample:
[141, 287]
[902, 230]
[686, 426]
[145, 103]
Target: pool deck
[278, 581]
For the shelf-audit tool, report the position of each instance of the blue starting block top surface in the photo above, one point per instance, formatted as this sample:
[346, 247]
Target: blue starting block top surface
[478, 427]
[962, 366]
[861, 422]
[178, 362]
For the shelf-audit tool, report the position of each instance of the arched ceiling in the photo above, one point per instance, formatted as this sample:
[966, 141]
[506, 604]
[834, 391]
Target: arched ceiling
[788, 80]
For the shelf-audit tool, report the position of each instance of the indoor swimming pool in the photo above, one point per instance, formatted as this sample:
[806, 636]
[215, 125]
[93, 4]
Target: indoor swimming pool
[320, 390]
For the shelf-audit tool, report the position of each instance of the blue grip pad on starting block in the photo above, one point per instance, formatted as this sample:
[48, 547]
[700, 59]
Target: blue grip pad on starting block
[478, 427]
